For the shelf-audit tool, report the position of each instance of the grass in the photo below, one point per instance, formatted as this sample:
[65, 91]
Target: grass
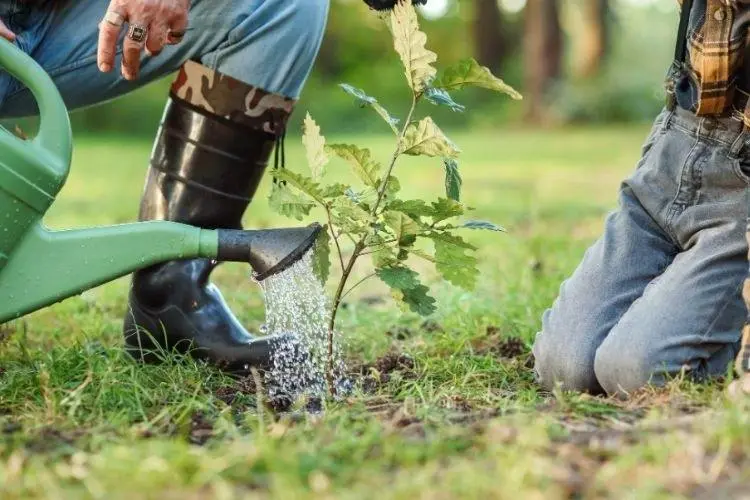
[449, 408]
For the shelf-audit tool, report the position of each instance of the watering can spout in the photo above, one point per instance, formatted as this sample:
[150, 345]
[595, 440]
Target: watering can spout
[269, 251]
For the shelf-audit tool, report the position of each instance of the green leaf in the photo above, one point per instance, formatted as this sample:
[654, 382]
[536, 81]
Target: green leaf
[413, 208]
[364, 166]
[425, 138]
[393, 187]
[440, 97]
[483, 224]
[403, 226]
[349, 216]
[410, 43]
[386, 116]
[453, 180]
[422, 254]
[362, 98]
[314, 143]
[365, 100]
[452, 261]
[304, 184]
[411, 291]
[333, 190]
[322, 255]
[470, 73]
[283, 201]
[382, 254]
[446, 208]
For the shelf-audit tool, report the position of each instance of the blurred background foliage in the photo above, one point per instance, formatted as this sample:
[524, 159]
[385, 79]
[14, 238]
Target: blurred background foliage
[574, 60]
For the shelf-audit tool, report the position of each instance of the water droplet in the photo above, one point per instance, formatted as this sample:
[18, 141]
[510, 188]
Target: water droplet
[297, 311]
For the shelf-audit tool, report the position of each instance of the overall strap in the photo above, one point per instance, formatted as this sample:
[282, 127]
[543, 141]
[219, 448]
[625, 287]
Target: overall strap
[680, 50]
[677, 68]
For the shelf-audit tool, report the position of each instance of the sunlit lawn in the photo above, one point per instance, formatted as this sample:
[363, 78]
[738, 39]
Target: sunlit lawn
[79, 419]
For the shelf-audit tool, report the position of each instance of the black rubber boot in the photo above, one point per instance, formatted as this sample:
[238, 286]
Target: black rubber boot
[204, 172]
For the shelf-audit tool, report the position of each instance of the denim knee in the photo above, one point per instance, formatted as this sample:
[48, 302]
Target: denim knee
[569, 366]
[306, 18]
[622, 369]
[271, 44]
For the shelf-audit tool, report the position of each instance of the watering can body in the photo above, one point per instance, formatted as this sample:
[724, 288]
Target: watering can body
[31, 172]
[39, 267]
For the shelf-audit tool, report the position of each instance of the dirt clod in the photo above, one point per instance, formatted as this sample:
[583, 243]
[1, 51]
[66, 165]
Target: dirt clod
[459, 403]
[497, 345]
[201, 429]
[241, 387]
[381, 371]
[50, 438]
[393, 362]
[511, 348]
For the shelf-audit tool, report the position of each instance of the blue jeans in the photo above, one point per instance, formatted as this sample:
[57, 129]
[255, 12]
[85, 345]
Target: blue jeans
[271, 44]
[660, 292]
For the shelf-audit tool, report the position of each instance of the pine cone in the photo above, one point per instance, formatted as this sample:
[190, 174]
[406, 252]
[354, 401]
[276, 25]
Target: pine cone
[388, 4]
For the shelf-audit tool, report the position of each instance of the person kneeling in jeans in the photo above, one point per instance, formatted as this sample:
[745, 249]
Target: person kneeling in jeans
[659, 294]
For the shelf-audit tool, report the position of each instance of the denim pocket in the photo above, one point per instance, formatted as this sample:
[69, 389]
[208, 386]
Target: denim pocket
[741, 168]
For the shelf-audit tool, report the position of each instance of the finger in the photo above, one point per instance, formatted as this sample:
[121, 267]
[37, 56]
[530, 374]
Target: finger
[6, 33]
[132, 48]
[109, 32]
[157, 37]
[178, 28]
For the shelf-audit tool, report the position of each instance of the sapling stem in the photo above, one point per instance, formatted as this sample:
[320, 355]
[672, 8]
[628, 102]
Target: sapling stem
[335, 237]
[360, 245]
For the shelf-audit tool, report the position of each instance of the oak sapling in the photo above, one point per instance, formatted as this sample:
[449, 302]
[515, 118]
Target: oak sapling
[371, 217]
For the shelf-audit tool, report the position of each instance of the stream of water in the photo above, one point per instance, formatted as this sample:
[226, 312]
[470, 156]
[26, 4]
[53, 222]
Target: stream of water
[298, 310]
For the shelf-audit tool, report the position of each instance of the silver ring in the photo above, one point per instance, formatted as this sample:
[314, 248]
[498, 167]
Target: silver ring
[137, 32]
[114, 18]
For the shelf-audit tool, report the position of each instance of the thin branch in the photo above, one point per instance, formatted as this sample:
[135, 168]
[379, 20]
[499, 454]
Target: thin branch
[335, 237]
[336, 303]
[357, 284]
[396, 154]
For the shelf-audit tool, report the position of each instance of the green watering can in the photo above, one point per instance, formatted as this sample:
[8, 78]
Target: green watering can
[39, 267]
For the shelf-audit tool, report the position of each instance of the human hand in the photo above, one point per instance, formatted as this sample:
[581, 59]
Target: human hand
[6, 33]
[152, 25]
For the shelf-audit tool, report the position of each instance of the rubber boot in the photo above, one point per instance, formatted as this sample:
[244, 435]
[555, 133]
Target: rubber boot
[205, 169]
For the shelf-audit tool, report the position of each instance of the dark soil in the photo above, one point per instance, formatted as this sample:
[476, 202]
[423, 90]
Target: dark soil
[500, 346]
[244, 386]
[372, 376]
[51, 439]
[201, 429]
[405, 332]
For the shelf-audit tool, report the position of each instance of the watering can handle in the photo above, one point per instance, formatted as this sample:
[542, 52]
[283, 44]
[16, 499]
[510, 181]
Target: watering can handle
[54, 135]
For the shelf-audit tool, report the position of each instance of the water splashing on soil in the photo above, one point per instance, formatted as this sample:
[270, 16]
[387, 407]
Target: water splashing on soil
[297, 311]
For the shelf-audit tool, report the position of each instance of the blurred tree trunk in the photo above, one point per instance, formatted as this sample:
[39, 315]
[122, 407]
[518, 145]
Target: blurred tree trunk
[489, 41]
[594, 38]
[543, 52]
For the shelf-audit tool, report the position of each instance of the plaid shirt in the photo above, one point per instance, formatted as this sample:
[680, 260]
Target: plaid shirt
[715, 82]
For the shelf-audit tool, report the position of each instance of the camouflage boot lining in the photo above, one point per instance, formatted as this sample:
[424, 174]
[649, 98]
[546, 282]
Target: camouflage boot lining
[232, 99]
